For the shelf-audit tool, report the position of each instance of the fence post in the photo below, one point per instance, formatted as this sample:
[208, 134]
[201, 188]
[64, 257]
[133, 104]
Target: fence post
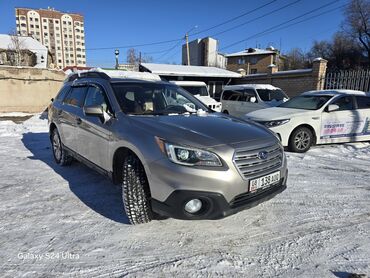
[270, 70]
[318, 73]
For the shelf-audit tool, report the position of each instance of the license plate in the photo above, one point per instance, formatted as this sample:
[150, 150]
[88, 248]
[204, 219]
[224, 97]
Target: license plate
[264, 181]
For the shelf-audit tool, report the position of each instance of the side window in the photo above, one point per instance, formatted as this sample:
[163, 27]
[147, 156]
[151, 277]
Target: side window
[363, 102]
[226, 95]
[62, 93]
[236, 95]
[97, 97]
[249, 93]
[344, 103]
[76, 96]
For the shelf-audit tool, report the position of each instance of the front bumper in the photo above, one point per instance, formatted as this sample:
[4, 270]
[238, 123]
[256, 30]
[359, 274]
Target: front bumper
[215, 205]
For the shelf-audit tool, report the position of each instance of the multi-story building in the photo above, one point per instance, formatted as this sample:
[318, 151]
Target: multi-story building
[62, 33]
[203, 52]
[254, 60]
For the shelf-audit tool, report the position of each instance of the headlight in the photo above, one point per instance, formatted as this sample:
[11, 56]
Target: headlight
[270, 124]
[188, 156]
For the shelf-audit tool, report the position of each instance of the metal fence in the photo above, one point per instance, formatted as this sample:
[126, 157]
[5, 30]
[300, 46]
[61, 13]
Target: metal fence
[350, 79]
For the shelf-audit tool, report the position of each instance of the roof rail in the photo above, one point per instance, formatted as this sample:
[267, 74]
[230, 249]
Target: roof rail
[87, 74]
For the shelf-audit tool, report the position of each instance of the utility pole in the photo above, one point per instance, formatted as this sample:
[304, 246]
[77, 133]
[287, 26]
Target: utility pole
[116, 52]
[140, 57]
[187, 48]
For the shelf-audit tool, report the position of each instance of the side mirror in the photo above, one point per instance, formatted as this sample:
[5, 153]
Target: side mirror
[253, 99]
[95, 110]
[333, 107]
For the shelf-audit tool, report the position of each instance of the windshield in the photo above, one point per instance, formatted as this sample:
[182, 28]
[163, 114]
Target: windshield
[155, 99]
[268, 95]
[196, 90]
[307, 102]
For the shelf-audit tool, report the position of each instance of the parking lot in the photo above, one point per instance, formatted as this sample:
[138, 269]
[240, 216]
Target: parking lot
[65, 221]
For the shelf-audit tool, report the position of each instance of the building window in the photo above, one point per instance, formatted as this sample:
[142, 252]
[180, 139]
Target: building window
[31, 26]
[37, 26]
[45, 27]
[56, 28]
[44, 20]
[59, 61]
[69, 23]
[23, 25]
[254, 60]
[23, 18]
[58, 48]
[64, 22]
[31, 19]
[57, 21]
[241, 61]
[253, 71]
[36, 19]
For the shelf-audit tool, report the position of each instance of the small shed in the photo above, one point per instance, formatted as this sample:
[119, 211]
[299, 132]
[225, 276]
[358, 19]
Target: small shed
[215, 78]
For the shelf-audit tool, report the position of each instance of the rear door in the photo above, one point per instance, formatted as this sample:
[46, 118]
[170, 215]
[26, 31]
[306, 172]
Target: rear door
[94, 132]
[363, 117]
[70, 116]
[231, 101]
[340, 125]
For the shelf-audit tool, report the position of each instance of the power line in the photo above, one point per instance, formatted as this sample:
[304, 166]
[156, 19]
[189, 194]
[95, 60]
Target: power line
[134, 45]
[234, 18]
[283, 23]
[254, 19]
[275, 27]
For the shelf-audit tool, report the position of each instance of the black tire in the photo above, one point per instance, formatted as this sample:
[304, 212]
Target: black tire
[301, 140]
[135, 191]
[61, 156]
[226, 112]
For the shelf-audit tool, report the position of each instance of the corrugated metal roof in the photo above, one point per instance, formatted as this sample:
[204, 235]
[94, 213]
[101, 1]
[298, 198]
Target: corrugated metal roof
[196, 71]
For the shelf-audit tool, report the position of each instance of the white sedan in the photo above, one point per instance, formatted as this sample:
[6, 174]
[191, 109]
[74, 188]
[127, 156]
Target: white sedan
[318, 117]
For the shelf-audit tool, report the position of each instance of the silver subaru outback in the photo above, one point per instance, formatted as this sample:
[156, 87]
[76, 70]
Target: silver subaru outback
[171, 154]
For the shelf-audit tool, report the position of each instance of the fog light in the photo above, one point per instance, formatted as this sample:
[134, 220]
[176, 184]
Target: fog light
[193, 206]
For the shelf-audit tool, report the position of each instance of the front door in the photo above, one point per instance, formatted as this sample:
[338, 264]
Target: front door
[94, 132]
[340, 125]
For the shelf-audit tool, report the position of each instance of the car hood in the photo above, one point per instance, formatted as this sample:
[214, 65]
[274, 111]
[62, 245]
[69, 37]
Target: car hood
[201, 131]
[206, 99]
[276, 113]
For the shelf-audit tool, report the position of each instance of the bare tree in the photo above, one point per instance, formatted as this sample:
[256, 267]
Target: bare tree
[296, 58]
[135, 57]
[357, 23]
[15, 49]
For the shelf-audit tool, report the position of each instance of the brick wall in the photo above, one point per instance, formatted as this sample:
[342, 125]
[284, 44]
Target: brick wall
[261, 65]
[293, 82]
[28, 89]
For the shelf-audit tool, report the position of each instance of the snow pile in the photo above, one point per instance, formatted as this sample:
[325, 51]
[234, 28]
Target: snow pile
[69, 221]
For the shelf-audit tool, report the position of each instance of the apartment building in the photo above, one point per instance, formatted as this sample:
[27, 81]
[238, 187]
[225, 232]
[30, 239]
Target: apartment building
[203, 52]
[62, 33]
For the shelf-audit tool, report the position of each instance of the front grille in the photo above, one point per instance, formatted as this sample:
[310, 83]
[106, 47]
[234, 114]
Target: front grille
[249, 164]
[247, 197]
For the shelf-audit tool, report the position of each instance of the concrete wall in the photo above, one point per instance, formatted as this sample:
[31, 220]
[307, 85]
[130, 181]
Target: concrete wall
[293, 82]
[28, 89]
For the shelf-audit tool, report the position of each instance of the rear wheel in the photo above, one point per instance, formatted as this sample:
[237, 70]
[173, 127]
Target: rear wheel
[135, 191]
[60, 155]
[301, 140]
[226, 112]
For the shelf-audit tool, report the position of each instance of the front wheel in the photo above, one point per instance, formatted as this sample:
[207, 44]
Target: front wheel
[135, 191]
[301, 140]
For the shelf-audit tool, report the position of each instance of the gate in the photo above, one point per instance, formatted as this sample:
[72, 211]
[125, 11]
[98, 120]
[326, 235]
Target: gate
[349, 79]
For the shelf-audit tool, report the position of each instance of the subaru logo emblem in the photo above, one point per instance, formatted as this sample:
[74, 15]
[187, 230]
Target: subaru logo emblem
[262, 155]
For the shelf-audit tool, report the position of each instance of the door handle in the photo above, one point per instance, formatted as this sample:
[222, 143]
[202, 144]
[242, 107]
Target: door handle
[60, 112]
[78, 121]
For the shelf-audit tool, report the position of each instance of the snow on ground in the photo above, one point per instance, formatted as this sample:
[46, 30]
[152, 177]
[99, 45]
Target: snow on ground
[69, 221]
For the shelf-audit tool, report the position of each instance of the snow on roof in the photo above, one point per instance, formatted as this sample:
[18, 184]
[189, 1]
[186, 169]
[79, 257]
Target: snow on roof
[254, 86]
[189, 83]
[179, 70]
[112, 73]
[293, 71]
[336, 92]
[247, 52]
[28, 43]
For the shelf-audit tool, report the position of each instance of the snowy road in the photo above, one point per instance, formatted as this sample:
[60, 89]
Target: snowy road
[67, 221]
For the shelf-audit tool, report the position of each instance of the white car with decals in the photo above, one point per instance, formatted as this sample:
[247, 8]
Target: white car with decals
[318, 117]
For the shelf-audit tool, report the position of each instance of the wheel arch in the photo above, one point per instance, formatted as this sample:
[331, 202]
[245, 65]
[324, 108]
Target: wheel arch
[310, 127]
[119, 154]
